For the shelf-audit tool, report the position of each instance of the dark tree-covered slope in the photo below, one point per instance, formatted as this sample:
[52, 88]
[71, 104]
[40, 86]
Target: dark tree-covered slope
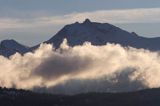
[13, 97]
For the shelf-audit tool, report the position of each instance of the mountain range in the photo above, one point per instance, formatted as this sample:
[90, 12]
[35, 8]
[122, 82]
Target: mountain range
[76, 34]
[94, 32]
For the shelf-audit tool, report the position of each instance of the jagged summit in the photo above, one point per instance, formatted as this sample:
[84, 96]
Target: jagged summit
[87, 21]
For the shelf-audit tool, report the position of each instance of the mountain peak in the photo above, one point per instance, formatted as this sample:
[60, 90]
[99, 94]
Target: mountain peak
[9, 47]
[87, 21]
[99, 34]
[9, 41]
[96, 33]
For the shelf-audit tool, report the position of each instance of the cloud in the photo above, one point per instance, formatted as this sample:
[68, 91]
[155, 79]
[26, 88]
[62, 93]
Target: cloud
[141, 15]
[83, 68]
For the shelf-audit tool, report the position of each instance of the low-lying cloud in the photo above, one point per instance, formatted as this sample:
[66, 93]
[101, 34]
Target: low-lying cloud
[83, 68]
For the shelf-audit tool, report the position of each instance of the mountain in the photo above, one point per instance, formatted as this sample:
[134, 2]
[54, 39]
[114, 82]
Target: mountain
[10, 47]
[96, 33]
[100, 34]
[13, 97]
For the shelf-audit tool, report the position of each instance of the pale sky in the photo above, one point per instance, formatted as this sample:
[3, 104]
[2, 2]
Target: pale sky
[33, 21]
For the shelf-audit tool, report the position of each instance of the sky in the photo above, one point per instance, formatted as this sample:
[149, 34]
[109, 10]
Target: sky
[34, 21]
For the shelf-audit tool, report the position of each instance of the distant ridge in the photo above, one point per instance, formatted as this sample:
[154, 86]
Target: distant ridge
[10, 47]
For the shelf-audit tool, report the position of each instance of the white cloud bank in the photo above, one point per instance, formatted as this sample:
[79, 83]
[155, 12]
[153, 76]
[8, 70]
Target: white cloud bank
[86, 68]
[141, 15]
